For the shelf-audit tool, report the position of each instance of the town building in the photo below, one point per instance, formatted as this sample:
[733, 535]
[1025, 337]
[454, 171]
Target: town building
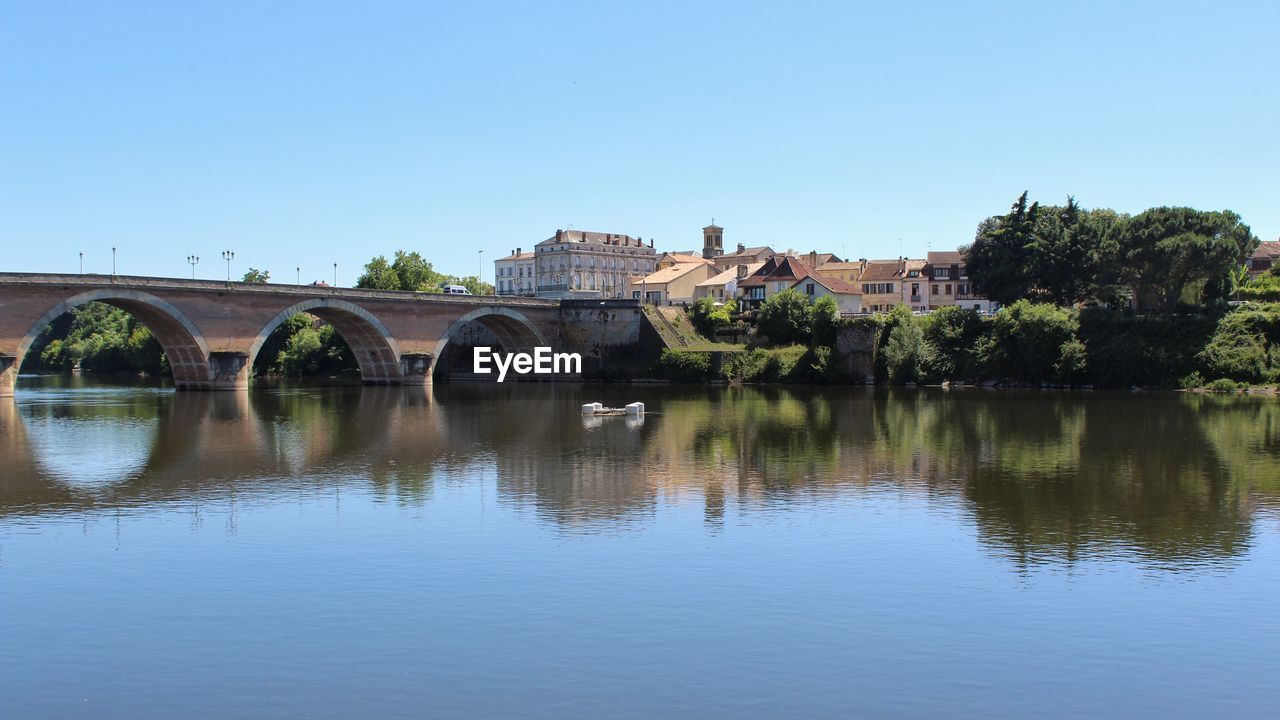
[712, 241]
[724, 285]
[743, 256]
[1266, 257]
[513, 274]
[674, 283]
[778, 273]
[949, 283]
[582, 264]
[847, 295]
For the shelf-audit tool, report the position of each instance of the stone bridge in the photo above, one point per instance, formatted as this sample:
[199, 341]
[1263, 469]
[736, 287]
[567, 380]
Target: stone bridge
[212, 331]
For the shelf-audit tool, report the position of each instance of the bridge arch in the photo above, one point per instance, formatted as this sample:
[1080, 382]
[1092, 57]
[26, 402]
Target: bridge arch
[514, 331]
[373, 345]
[183, 344]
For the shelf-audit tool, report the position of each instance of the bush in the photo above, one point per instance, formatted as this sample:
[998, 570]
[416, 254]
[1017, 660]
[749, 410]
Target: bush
[1030, 343]
[1245, 347]
[706, 317]
[684, 366]
[785, 364]
[785, 318]
[1223, 385]
[954, 336]
[905, 352]
[1152, 350]
[825, 317]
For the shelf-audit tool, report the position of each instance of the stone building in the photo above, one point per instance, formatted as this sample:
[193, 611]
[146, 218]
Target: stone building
[949, 283]
[582, 264]
[513, 274]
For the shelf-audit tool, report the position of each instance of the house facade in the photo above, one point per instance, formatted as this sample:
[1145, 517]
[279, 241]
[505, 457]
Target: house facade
[1266, 257]
[949, 283]
[778, 273]
[847, 295]
[672, 284]
[513, 274]
[724, 285]
[582, 264]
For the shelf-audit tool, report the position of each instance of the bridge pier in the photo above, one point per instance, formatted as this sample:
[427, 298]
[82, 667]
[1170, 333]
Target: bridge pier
[8, 374]
[227, 371]
[415, 368]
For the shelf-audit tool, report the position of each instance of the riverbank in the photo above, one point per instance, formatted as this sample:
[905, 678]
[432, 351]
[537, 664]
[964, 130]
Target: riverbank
[1217, 349]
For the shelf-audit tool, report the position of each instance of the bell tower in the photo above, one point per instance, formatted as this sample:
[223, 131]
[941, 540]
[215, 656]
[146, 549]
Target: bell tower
[712, 240]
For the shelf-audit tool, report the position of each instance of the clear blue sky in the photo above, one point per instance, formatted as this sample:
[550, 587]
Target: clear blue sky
[312, 133]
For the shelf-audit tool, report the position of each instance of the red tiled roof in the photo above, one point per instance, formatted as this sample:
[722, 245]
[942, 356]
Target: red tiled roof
[1269, 248]
[835, 285]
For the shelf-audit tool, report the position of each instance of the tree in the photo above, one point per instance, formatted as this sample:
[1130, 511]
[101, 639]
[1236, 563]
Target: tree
[379, 275]
[999, 260]
[416, 274]
[257, 276]
[825, 316]
[707, 316]
[1166, 249]
[473, 284]
[1071, 254]
[785, 318]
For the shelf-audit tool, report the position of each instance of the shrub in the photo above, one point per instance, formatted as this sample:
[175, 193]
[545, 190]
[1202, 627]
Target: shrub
[905, 352]
[1029, 342]
[707, 317]
[1244, 346]
[954, 336]
[825, 318]
[1222, 385]
[684, 366]
[785, 318]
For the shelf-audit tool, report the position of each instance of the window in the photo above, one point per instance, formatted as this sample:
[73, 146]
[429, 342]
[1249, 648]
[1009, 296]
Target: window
[948, 288]
[808, 289]
[935, 289]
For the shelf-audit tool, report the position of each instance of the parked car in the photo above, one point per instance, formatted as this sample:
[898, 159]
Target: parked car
[456, 290]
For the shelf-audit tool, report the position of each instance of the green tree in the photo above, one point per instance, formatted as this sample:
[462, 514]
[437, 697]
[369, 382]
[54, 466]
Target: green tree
[825, 317]
[473, 284]
[954, 334]
[379, 275]
[999, 260]
[785, 318]
[1035, 343]
[416, 274]
[1072, 256]
[257, 276]
[905, 352]
[1165, 250]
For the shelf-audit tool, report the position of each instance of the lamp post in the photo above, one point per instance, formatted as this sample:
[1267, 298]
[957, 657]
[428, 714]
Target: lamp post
[193, 260]
[228, 256]
[81, 262]
[335, 274]
[113, 261]
[299, 281]
[480, 269]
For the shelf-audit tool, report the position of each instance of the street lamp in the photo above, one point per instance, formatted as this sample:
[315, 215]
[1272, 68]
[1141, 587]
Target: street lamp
[335, 274]
[480, 268]
[299, 281]
[113, 261]
[81, 262]
[193, 261]
[228, 256]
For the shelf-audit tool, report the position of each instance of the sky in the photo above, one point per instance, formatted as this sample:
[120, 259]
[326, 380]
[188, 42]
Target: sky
[308, 134]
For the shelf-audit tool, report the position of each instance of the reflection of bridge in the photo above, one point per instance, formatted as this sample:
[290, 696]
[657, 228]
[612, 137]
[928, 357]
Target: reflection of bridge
[212, 332]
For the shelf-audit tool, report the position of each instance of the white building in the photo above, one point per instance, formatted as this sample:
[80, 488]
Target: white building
[582, 264]
[513, 274]
[847, 295]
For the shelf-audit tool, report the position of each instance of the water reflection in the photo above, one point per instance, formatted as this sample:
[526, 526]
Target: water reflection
[1166, 479]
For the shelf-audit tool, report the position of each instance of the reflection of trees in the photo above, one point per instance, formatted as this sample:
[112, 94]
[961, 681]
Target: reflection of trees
[1042, 475]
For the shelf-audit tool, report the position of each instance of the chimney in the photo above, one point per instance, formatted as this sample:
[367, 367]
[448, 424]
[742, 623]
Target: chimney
[741, 248]
[742, 271]
[559, 235]
[813, 259]
[517, 252]
[862, 266]
[650, 243]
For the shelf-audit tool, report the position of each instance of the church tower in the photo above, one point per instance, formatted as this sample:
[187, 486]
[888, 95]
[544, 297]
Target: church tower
[712, 241]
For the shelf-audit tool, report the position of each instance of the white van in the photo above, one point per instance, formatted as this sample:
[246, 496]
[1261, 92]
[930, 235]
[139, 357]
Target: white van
[456, 290]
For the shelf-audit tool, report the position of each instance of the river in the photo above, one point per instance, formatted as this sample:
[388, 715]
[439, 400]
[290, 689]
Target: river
[482, 550]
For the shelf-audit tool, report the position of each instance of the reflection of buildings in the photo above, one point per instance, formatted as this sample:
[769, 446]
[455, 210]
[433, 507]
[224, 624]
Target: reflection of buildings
[1051, 476]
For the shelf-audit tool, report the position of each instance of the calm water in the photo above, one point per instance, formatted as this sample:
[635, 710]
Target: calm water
[480, 550]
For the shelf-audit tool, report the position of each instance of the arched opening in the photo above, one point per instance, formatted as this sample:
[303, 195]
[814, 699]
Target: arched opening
[502, 329]
[369, 341]
[185, 354]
